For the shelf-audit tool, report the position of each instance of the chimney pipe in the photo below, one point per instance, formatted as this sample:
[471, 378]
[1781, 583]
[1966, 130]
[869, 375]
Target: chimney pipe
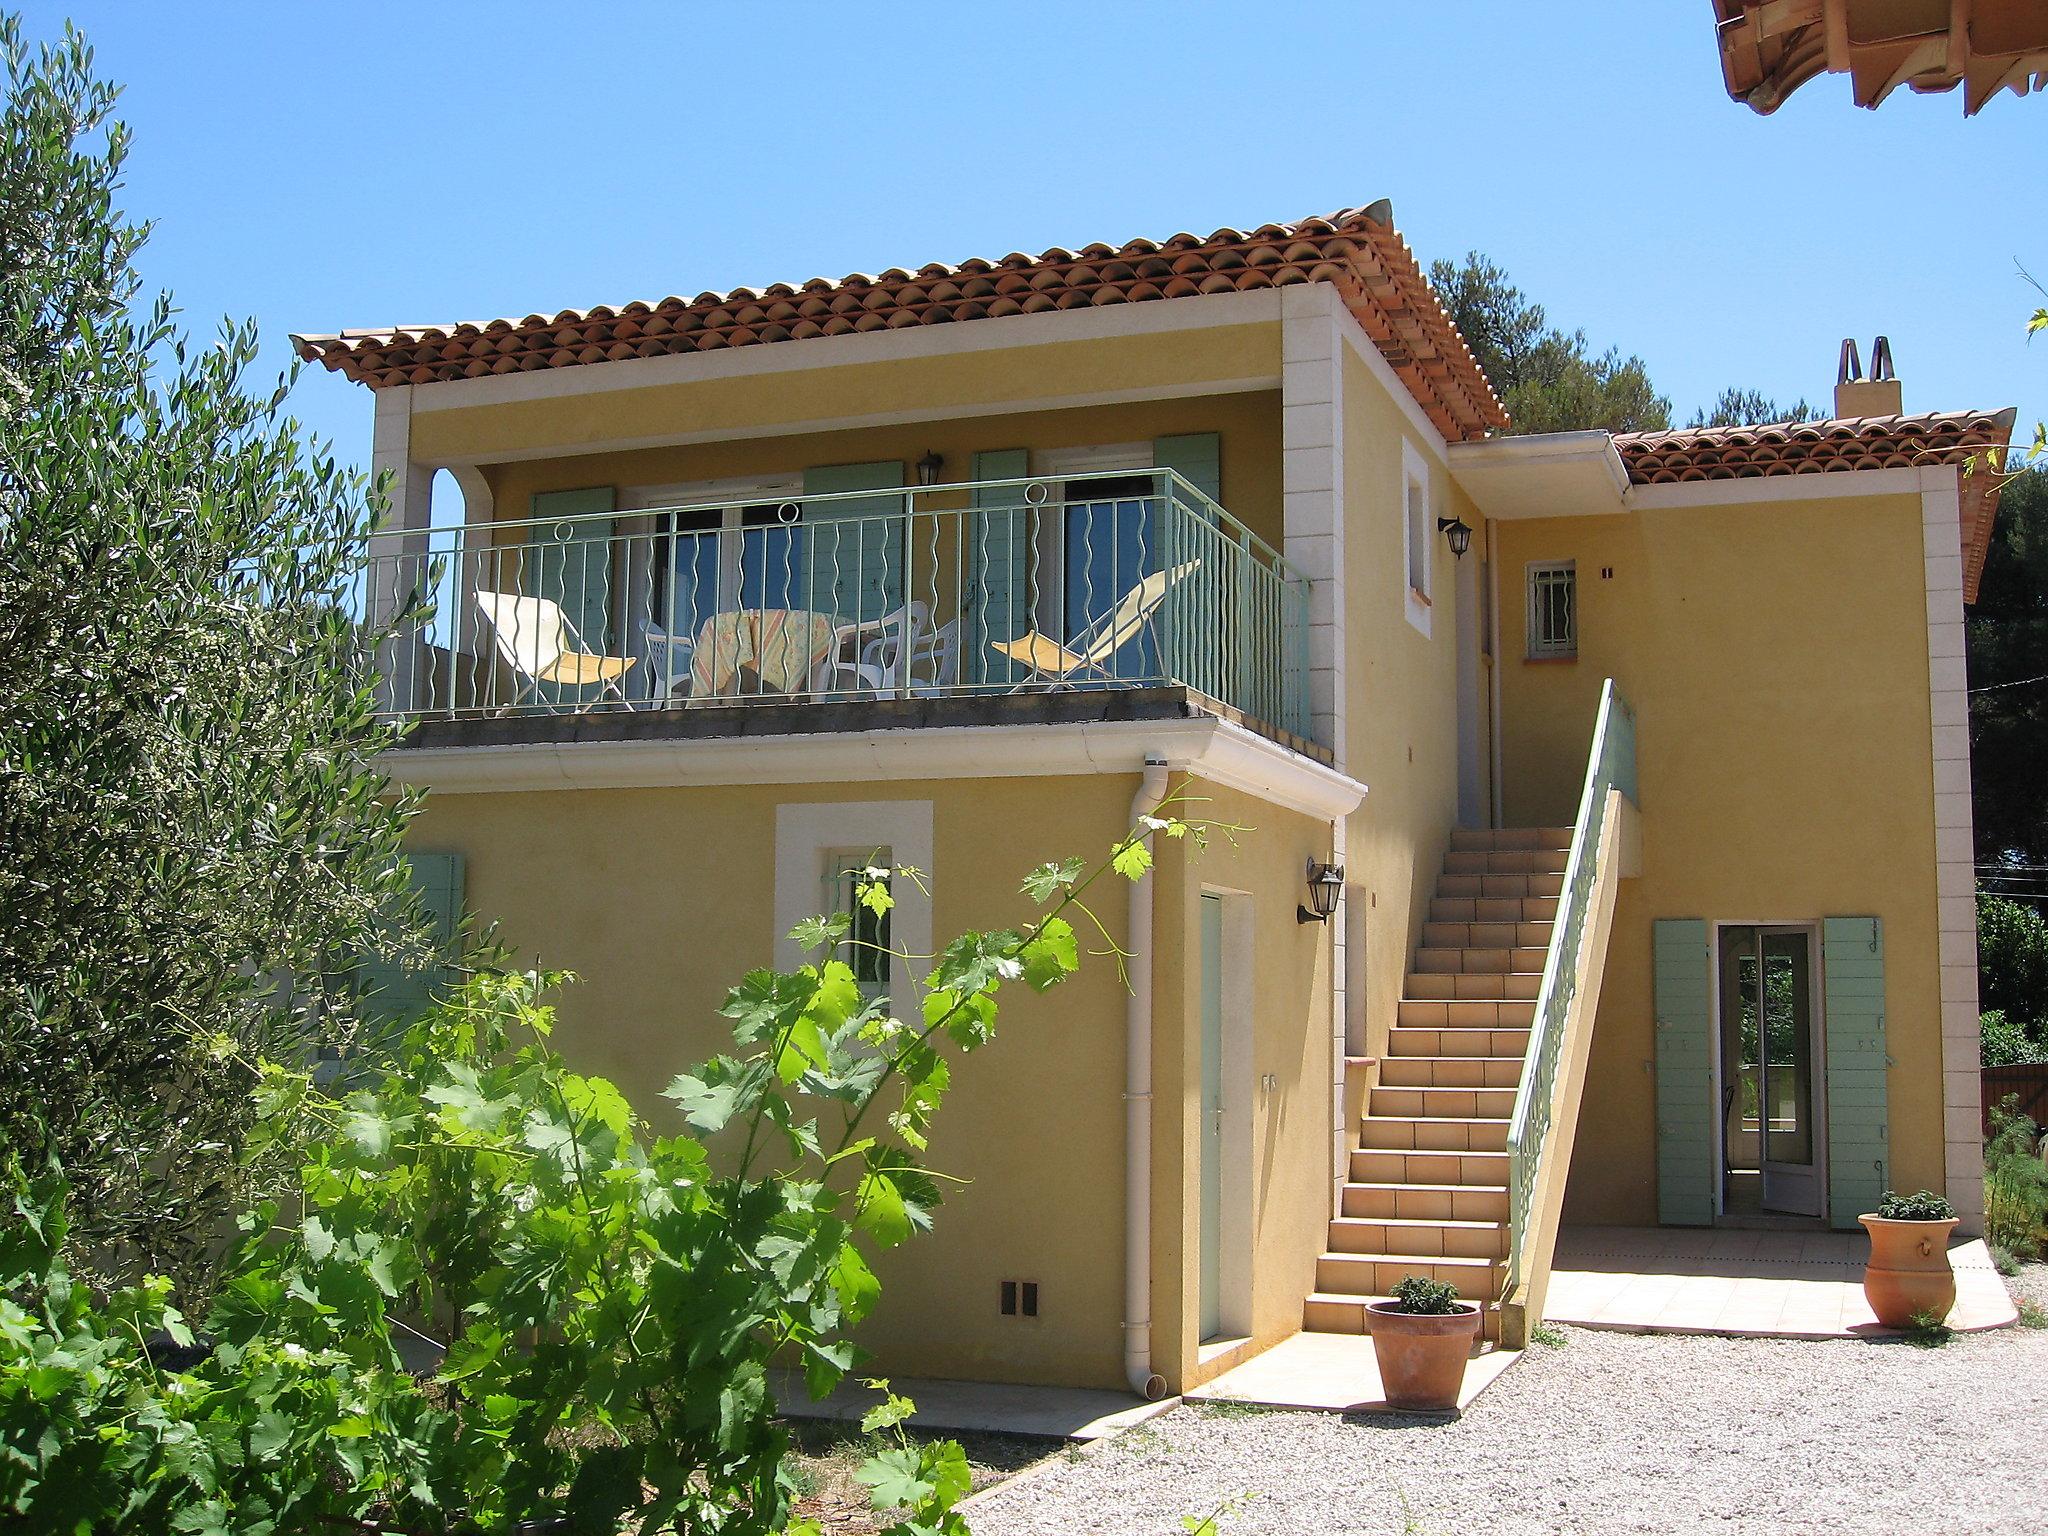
[1879, 393]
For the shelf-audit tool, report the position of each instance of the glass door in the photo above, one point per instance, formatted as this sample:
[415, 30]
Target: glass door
[1108, 550]
[1770, 1045]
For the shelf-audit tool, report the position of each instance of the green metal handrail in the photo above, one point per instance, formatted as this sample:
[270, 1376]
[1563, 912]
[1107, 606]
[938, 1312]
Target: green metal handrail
[1611, 765]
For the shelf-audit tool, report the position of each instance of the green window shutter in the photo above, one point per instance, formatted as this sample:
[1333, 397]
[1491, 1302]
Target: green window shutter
[1685, 1074]
[570, 563]
[1206, 619]
[997, 602]
[387, 990]
[1859, 1140]
[1197, 457]
[855, 548]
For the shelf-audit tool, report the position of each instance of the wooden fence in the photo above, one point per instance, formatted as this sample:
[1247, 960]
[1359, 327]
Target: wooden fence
[2028, 1080]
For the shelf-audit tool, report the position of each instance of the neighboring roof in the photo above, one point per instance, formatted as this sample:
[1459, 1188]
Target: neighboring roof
[1769, 48]
[1828, 447]
[1358, 251]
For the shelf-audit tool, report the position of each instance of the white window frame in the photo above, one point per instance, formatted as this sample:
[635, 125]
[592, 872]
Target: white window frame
[1418, 530]
[811, 836]
[1534, 647]
[732, 498]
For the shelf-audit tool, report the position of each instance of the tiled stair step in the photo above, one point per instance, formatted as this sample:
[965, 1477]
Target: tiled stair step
[1459, 1042]
[1517, 861]
[1478, 962]
[1434, 1101]
[1470, 1013]
[1328, 1313]
[1494, 909]
[1488, 839]
[1396, 1234]
[1427, 1202]
[1442, 986]
[1500, 887]
[1467, 1072]
[1376, 1274]
[1476, 935]
[1406, 1133]
[1375, 1166]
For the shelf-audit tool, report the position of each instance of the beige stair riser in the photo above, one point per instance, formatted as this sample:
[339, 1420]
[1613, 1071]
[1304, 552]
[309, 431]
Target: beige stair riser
[1538, 910]
[1438, 987]
[1372, 1166]
[1387, 1133]
[1345, 1274]
[1485, 935]
[1468, 1072]
[1434, 1102]
[1457, 1240]
[1520, 861]
[1477, 961]
[1426, 1202]
[1458, 1042]
[1465, 1013]
[1491, 839]
[1347, 1314]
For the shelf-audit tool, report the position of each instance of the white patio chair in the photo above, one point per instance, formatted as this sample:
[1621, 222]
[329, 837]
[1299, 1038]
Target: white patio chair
[1094, 646]
[935, 660]
[868, 656]
[538, 642]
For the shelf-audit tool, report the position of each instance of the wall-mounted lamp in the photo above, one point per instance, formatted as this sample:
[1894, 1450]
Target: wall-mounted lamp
[929, 466]
[1325, 885]
[1457, 532]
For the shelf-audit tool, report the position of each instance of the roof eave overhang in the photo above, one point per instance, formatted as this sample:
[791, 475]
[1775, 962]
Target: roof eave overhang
[1546, 474]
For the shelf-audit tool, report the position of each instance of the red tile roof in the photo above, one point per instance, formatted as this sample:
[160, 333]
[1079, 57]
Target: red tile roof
[1358, 251]
[1827, 447]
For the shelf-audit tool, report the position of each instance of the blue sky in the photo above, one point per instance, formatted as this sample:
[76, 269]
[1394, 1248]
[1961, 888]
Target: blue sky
[316, 167]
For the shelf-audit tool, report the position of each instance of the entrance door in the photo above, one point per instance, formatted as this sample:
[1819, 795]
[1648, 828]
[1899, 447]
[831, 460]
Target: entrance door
[1770, 1042]
[1211, 1215]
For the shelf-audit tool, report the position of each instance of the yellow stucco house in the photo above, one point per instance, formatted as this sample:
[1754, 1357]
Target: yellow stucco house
[1635, 770]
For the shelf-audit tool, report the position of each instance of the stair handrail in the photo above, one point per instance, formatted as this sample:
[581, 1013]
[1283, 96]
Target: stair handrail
[1611, 765]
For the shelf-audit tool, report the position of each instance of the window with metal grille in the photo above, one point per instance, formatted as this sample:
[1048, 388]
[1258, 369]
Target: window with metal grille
[865, 948]
[1553, 609]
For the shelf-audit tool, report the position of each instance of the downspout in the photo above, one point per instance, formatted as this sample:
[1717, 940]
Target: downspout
[1145, 1381]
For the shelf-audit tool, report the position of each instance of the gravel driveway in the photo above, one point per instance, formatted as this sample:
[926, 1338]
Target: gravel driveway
[1609, 1433]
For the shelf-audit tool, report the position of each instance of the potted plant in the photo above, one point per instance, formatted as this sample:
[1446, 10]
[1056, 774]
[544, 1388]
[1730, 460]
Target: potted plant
[1908, 1277]
[1422, 1336]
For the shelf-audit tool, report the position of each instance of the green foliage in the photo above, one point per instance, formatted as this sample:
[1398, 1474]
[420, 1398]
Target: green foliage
[1548, 379]
[1750, 408]
[2015, 1184]
[2007, 640]
[1928, 1330]
[1428, 1298]
[194, 830]
[605, 1302]
[2012, 969]
[2032, 1314]
[1549, 1335]
[1922, 1205]
[2005, 1042]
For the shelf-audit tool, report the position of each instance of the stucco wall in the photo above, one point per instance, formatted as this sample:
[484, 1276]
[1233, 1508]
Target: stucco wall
[661, 898]
[1402, 725]
[1776, 654]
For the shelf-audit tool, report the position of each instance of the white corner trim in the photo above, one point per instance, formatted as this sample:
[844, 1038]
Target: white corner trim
[1312, 423]
[807, 832]
[1201, 312]
[1954, 851]
[1215, 749]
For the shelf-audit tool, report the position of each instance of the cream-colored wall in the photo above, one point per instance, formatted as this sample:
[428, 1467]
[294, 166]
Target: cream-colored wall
[981, 381]
[1776, 655]
[1402, 724]
[660, 899]
[1261, 860]
[1248, 423]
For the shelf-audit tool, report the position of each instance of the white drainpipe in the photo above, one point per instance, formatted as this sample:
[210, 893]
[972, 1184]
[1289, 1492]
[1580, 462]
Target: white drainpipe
[1145, 1381]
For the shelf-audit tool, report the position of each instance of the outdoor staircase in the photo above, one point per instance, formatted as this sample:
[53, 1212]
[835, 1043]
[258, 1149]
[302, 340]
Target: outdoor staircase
[1428, 1187]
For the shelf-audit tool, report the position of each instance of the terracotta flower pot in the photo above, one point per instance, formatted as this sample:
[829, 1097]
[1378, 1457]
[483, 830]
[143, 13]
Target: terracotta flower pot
[1908, 1274]
[1422, 1354]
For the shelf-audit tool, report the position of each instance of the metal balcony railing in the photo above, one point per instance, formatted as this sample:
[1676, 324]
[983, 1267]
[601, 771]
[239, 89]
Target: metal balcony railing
[990, 587]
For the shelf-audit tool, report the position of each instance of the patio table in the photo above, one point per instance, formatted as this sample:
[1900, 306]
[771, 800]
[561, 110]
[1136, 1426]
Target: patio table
[782, 647]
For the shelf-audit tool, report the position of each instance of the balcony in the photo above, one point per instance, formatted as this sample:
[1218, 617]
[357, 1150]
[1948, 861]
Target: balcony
[998, 600]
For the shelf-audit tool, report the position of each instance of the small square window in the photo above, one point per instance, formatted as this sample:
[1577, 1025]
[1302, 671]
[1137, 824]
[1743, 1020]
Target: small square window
[1553, 610]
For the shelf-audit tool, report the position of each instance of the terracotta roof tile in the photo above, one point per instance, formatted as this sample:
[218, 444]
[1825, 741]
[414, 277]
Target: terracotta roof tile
[1357, 251]
[1827, 447]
